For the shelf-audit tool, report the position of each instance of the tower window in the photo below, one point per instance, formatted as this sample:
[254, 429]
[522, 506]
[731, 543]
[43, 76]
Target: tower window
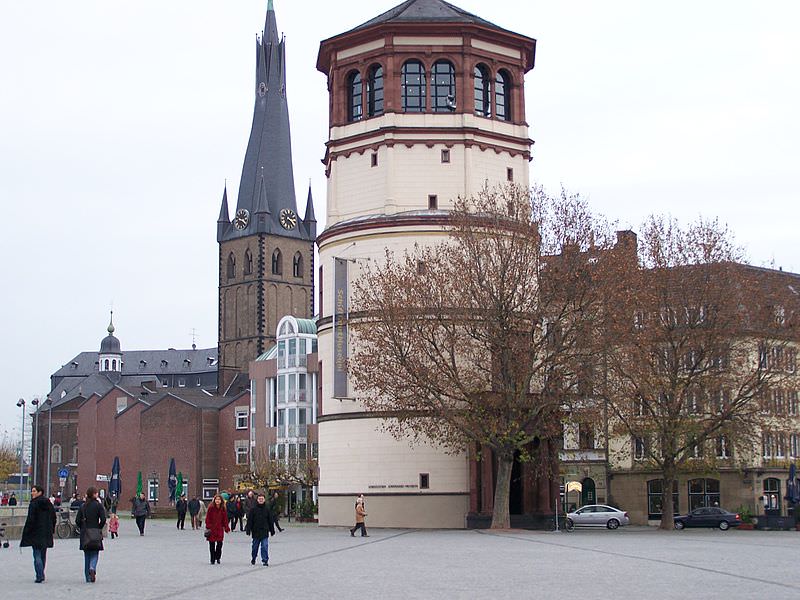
[502, 96]
[105, 365]
[297, 265]
[443, 87]
[277, 262]
[412, 86]
[445, 156]
[483, 98]
[510, 174]
[113, 365]
[231, 266]
[354, 100]
[248, 262]
[374, 159]
[375, 91]
[433, 202]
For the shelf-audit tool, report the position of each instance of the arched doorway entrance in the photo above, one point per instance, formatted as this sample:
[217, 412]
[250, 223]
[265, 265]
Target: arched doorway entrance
[588, 495]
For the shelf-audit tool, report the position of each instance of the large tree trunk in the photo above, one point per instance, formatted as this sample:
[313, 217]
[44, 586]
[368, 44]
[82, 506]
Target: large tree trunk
[502, 488]
[667, 510]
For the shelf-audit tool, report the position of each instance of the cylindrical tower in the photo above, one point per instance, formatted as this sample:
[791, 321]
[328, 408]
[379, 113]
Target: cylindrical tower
[426, 104]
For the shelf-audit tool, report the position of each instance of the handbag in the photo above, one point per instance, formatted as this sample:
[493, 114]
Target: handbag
[207, 533]
[92, 538]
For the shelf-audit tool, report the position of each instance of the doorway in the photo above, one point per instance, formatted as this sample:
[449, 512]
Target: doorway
[588, 495]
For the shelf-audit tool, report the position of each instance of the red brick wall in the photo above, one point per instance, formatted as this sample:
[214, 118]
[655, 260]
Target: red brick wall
[228, 435]
[126, 443]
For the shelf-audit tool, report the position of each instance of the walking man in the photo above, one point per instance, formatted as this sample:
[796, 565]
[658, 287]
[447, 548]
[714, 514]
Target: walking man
[141, 510]
[39, 528]
[180, 506]
[260, 526]
[194, 509]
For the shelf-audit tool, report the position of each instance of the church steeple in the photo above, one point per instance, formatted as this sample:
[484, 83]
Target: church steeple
[224, 220]
[310, 220]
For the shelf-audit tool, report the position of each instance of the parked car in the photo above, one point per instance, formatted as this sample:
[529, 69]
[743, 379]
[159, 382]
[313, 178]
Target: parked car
[709, 516]
[597, 515]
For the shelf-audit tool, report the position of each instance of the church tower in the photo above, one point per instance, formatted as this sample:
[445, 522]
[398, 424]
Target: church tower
[426, 103]
[266, 250]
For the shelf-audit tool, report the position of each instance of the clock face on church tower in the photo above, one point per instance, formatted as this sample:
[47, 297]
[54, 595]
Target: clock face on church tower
[241, 219]
[288, 218]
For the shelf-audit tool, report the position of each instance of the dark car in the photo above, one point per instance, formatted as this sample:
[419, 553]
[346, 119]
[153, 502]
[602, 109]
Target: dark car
[709, 516]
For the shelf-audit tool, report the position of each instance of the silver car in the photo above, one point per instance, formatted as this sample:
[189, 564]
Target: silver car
[596, 515]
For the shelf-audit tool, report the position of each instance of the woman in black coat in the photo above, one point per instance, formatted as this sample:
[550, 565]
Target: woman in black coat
[91, 516]
[38, 530]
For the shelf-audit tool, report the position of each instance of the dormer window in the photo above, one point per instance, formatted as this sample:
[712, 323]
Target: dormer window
[443, 86]
[164, 364]
[412, 86]
[355, 109]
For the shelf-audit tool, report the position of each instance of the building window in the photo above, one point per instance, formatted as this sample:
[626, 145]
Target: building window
[248, 262]
[231, 266]
[639, 448]
[241, 452]
[106, 365]
[655, 502]
[424, 481]
[767, 445]
[772, 493]
[277, 262]
[703, 492]
[445, 156]
[354, 100]
[443, 86]
[281, 451]
[375, 91]
[502, 96]
[297, 265]
[422, 267]
[585, 436]
[122, 403]
[181, 382]
[794, 445]
[433, 202]
[273, 451]
[723, 447]
[509, 174]
[412, 86]
[791, 360]
[241, 418]
[373, 159]
[152, 489]
[314, 450]
[483, 97]
[55, 454]
[114, 365]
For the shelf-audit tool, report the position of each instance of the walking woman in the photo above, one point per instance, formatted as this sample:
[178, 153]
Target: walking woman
[141, 511]
[360, 514]
[90, 520]
[216, 527]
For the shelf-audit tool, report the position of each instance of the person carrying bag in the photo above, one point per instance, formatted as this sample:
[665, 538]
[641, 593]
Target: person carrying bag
[90, 520]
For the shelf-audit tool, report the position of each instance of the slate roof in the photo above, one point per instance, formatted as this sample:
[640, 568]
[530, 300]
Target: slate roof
[194, 397]
[267, 183]
[415, 11]
[96, 383]
[146, 362]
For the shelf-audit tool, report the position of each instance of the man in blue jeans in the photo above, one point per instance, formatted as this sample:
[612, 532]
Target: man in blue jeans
[38, 530]
[260, 525]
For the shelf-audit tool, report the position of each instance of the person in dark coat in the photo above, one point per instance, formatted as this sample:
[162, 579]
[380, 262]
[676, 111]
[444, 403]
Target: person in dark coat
[260, 525]
[141, 510]
[39, 528]
[273, 507]
[180, 506]
[91, 515]
[217, 526]
[194, 510]
[230, 506]
[12, 500]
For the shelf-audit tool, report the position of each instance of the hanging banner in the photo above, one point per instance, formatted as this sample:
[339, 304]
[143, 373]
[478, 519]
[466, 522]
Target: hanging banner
[340, 328]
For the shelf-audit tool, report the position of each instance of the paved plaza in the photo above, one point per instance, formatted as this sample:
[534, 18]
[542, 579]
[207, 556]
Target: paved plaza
[307, 561]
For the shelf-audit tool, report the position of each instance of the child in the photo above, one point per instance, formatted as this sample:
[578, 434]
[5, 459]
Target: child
[113, 525]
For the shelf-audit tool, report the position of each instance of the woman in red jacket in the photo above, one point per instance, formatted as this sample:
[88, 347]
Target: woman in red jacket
[216, 527]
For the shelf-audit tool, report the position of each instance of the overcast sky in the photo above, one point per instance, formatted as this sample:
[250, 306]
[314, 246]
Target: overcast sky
[119, 123]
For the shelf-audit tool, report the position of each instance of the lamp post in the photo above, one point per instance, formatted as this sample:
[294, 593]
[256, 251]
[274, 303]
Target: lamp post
[35, 403]
[49, 403]
[21, 404]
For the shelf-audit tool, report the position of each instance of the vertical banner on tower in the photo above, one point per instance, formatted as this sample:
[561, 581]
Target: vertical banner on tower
[340, 328]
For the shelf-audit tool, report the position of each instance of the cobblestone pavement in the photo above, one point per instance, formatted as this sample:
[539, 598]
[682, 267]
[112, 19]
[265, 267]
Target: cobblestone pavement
[307, 561]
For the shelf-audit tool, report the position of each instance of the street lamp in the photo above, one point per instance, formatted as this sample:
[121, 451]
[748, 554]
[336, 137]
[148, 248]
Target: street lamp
[35, 403]
[49, 403]
[21, 404]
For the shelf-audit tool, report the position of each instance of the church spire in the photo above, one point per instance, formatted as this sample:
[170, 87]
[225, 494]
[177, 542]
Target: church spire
[224, 219]
[310, 220]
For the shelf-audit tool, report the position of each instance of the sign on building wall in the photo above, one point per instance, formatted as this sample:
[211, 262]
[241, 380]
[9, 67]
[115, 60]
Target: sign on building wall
[340, 328]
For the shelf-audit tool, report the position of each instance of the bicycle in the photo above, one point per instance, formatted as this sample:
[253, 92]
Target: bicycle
[568, 524]
[66, 528]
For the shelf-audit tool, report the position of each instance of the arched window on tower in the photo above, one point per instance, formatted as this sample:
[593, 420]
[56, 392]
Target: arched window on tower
[502, 95]
[443, 86]
[375, 91]
[105, 365]
[277, 262]
[55, 454]
[297, 265]
[114, 365]
[355, 109]
[412, 86]
[483, 92]
[231, 266]
[248, 262]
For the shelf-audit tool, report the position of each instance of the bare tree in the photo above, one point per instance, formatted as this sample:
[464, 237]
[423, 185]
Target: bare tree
[480, 341]
[9, 458]
[266, 473]
[685, 346]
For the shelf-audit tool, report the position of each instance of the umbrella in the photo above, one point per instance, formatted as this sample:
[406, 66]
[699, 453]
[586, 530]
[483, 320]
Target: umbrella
[139, 484]
[115, 486]
[172, 481]
[179, 487]
[792, 485]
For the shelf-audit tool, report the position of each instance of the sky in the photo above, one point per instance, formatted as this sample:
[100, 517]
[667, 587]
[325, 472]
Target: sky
[120, 123]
